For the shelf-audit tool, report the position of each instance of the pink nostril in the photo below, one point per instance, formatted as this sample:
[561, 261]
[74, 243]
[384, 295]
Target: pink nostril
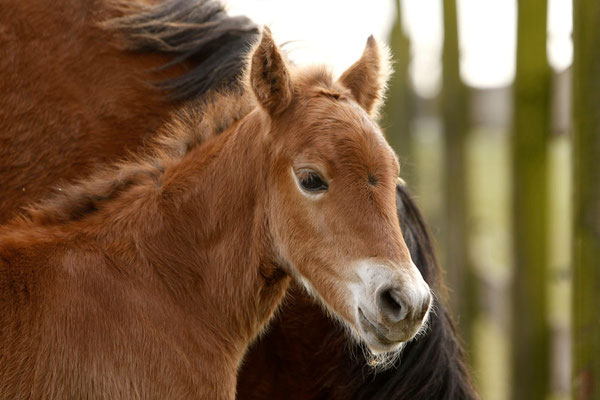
[391, 305]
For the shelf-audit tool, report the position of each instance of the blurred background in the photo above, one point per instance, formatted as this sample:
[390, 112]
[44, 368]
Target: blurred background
[479, 111]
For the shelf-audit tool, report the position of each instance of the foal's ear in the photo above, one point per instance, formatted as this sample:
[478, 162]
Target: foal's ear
[367, 78]
[269, 76]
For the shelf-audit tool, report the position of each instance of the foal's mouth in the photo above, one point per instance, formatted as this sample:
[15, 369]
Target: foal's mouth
[376, 329]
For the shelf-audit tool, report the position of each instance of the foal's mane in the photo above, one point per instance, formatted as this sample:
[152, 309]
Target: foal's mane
[196, 33]
[189, 127]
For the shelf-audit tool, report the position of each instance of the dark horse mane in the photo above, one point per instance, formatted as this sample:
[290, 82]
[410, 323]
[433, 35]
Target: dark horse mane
[199, 32]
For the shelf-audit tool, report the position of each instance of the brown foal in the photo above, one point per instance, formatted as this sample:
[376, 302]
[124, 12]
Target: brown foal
[150, 279]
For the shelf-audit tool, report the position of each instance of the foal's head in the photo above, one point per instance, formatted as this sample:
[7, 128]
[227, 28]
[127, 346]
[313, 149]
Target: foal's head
[332, 194]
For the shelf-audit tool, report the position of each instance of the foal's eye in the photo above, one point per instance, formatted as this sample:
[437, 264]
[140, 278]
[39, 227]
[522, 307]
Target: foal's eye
[311, 181]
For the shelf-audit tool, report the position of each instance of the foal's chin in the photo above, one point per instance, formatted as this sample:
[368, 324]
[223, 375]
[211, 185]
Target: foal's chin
[380, 354]
[383, 349]
[379, 345]
[379, 348]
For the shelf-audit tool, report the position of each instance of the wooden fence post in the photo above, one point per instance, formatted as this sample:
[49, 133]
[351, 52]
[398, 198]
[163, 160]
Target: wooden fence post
[529, 145]
[455, 126]
[586, 229]
[398, 111]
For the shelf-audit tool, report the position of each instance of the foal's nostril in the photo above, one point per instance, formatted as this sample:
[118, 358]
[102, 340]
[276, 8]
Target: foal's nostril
[391, 305]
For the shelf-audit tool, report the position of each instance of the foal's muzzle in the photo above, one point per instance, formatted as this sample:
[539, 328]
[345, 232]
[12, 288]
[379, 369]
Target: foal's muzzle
[393, 305]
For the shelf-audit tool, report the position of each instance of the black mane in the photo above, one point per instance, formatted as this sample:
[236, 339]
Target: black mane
[196, 31]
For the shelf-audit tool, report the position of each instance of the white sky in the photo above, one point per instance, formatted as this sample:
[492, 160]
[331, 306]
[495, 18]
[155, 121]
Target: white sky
[334, 32]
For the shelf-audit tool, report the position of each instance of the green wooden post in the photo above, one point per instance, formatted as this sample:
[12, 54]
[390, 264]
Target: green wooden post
[398, 111]
[455, 126]
[529, 143]
[586, 243]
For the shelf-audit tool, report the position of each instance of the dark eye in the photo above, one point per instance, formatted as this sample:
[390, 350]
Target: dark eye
[311, 181]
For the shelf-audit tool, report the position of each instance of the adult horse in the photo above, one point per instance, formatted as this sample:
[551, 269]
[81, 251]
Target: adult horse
[55, 55]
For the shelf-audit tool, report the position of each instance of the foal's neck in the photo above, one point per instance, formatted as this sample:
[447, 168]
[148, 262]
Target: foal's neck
[214, 236]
